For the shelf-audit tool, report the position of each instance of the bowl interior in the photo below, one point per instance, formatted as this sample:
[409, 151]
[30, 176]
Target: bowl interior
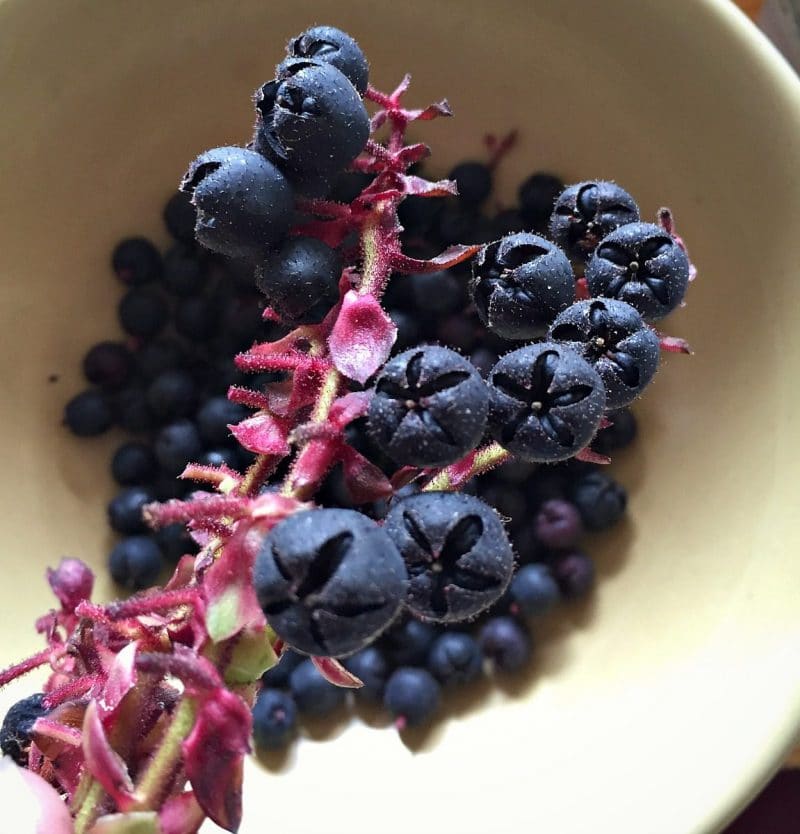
[661, 704]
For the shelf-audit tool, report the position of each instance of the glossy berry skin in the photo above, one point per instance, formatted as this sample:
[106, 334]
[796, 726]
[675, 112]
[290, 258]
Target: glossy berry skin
[455, 659]
[621, 432]
[546, 402]
[612, 337]
[458, 557]
[134, 464]
[558, 524]
[586, 212]
[109, 365]
[125, 510]
[135, 562]
[180, 217]
[505, 642]
[437, 292]
[408, 641]
[600, 500]
[177, 445]
[371, 666]
[519, 284]
[329, 45]
[184, 271]
[175, 542]
[136, 261]
[172, 394]
[574, 572]
[15, 733]
[642, 265]
[274, 719]
[88, 414]
[474, 182]
[278, 675]
[142, 313]
[533, 590]
[312, 693]
[537, 196]
[412, 696]
[301, 280]
[429, 407]
[214, 417]
[243, 202]
[329, 581]
[311, 121]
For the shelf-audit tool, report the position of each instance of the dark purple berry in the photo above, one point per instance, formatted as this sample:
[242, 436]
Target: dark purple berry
[618, 435]
[185, 272]
[177, 445]
[574, 572]
[505, 642]
[458, 556]
[142, 313]
[214, 417]
[180, 217]
[125, 510]
[458, 224]
[537, 196]
[278, 676]
[329, 581]
[134, 464]
[455, 659]
[438, 292]
[600, 500]
[474, 182]
[508, 222]
[175, 542]
[17, 728]
[88, 414]
[311, 121]
[219, 457]
[312, 693]
[109, 365]
[135, 562]
[408, 329]
[301, 280]
[459, 332]
[349, 185]
[533, 590]
[586, 212]
[526, 543]
[243, 202]
[484, 360]
[166, 487]
[131, 411]
[417, 215]
[408, 641]
[241, 322]
[274, 719]
[429, 407]
[546, 402]
[172, 394]
[371, 667]
[642, 265]
[158, 356]
[558, 524]
[507, 500]
[329, 45]
[412, 696]
[520, 284]
[196, 318]
[136, 261]
[611, 336]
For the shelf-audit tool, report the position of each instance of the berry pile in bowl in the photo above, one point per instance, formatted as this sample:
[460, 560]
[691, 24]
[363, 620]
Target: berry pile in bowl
[370, 408]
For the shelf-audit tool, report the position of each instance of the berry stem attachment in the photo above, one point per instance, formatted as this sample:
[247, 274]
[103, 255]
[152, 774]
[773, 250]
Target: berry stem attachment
[474, 464]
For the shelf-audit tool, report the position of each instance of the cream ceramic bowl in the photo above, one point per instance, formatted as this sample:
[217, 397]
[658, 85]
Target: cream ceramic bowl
[664, 703]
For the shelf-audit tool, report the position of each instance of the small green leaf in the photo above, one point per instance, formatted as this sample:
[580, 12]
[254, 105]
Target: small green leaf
[222, 615]
[135, 822]
[252, 656]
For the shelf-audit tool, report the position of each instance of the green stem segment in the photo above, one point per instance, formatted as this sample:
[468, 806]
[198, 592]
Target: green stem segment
[455, 476]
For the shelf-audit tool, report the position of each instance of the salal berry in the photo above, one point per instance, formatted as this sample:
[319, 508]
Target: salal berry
[600, 500]
[214, 417]
[329, 45]
[558, 524]
[643, 265]
[142, 313]
[274, 719]
[125, 510]
[244, 203]
[136, 261]
[455, 658]
[474, 182]
[329, 581]
[533, 590]
[614, 339]
[134, 464]
[458, 556]
[429, 407]
[546, 402]
[618, 435]
[176, 445]
[88, 414]
[301, 280]
[371, 667]
[15, 733]
[537, 196]
[179, 217]
[408, 641]
[312, 693]
[586, 212]
[109, 365]
[412, 696]
[312, 121]
[506, 643]
[574, 572]
[519, 285]
[135, 562]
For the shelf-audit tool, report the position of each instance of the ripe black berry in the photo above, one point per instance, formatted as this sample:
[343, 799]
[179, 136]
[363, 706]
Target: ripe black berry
[371, 667]
[243, 202]
[458, 556]
[329, 45]
[172, 394]
[537, 196]
[180, 217]
[558, 524]
[15, 733]
[136, 261]
[574, 572]
[158, 356]
[408, 641]
[312, 693]
[278, 675]
[135, 562]
[546, 402]
[175, 542]
[301, 280]
[134, 464]
[519, 285]
[429, 407]
[586, 212]
[618, 435]
[600, 500]
[88, 413]
[612, 337]
[125, 510]
[108, 364]
[412, 696]
[196, 318]
[329, 581]
[177, 445]
[184, 270]
[312, 121]
[436, 292]
[214, 417]
[505, 642]
[131, 411]
[142, 313]
[274, 719]
[643, 265]
[474, 182]
[533, 590]
[455, 659]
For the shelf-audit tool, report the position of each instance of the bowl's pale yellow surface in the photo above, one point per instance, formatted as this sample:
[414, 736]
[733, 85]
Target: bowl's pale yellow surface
[661, 706]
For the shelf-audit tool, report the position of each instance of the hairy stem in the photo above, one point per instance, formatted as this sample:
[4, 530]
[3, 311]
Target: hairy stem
[477, 463]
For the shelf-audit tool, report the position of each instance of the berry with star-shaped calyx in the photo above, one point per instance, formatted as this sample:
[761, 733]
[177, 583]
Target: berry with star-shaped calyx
[329, 45]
